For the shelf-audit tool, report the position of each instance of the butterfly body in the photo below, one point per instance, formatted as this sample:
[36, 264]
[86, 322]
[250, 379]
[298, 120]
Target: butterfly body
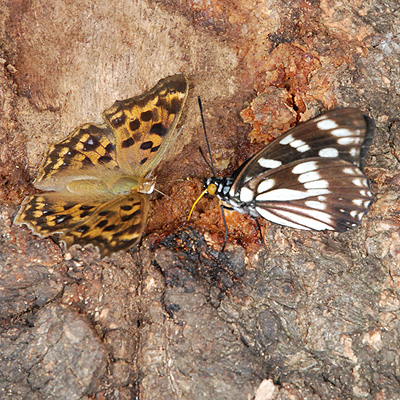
[309, 178]
[97, 181]
[223, 187]
[116, 186]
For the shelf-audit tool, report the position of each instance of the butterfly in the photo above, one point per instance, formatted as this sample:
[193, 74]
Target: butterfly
[97, 181]
[309, 178]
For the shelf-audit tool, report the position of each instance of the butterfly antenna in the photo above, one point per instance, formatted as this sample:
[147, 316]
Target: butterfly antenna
[204, 158]
[211, 164]
[159, 191]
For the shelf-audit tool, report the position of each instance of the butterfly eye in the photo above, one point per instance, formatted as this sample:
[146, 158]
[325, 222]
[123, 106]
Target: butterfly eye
[212, 188]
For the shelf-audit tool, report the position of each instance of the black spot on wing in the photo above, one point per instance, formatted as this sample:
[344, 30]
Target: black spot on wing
[109, 228]
[102, 224]
[105, 159]
[84, 213]
[134, 125]
[119, 121]
[127, 143]
[51, 212]
[109, 148]
[85, 207]
[62, 218]
[146, 116]
[158, 129]
[146, 145]
[91, 143]
[82, 229]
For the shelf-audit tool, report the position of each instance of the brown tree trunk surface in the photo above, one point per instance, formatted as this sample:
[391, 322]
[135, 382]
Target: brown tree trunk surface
[311, 315]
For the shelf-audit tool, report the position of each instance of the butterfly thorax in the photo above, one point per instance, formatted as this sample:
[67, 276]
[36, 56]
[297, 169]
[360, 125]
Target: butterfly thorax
[218, 187]
[146, 186]
[126, 184]
[222, 188]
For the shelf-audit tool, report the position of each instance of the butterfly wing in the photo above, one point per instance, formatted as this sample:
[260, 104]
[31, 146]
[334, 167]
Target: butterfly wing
[85, 153]
[115, 225]
[144, 125]
[131, 143]
[342, 133]
[316, 193]
[50, 213]
[110, 223]
[310, 177]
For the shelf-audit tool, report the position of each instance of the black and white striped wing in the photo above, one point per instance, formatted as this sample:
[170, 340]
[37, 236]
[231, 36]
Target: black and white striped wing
[342, 133]
[316, 193]
[311, 177]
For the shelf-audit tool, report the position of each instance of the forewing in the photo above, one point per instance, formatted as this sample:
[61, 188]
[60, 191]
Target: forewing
[85, 152]
[144, 125]
[342, 133]
[317, 193]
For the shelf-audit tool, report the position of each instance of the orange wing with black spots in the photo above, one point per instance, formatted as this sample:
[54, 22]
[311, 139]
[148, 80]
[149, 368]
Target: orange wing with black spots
[111, 225]
[142, 125]
[87, 152]
[114, 226]
[95, 179]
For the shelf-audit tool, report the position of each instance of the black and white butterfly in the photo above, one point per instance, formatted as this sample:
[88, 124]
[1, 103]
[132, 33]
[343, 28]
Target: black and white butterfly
[309, 178]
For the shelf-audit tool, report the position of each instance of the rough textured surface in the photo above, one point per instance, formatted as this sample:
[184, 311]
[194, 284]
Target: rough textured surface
[50, 362]
[308, 316]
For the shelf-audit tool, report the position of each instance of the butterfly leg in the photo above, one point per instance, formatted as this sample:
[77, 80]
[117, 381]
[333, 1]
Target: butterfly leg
[261, 235]
[222, 207]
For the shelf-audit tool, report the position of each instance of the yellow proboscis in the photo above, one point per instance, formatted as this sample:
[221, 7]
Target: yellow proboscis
[210, 189]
